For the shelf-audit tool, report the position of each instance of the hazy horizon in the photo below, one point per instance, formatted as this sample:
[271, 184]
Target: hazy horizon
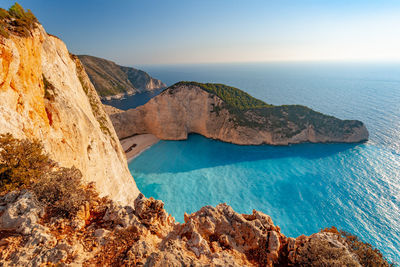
[205, 32]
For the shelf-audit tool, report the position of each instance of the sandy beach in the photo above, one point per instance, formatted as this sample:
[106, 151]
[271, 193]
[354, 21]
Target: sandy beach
[135, 145]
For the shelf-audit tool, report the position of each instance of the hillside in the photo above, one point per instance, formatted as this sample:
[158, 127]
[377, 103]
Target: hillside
[228, 114]
[112, 80]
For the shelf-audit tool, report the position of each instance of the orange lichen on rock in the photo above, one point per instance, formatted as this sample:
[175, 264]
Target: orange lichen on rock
[5, 59]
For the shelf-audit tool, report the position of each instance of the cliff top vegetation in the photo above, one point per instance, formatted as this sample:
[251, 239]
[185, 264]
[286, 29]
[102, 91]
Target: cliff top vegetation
[233, 97]
[16, 20]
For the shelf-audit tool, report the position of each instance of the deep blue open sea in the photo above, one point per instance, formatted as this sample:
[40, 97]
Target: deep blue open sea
[304, 188]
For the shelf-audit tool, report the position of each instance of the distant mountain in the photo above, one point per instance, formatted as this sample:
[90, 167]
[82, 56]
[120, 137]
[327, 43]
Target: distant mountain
[115, 81]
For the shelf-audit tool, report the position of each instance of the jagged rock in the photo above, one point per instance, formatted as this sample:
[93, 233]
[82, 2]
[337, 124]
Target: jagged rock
[82, 216]
[147, 236]
[151, 213]
[21, 213]
[321, 249]
[119, 215]
[101, 235]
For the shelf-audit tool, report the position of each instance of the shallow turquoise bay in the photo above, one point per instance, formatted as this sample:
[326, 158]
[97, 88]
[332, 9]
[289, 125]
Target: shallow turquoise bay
[304, 187]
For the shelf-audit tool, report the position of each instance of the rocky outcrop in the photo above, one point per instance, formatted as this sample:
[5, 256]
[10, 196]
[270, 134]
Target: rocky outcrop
[111, 110]
[189, 107]
[145, 235]
[113, 81]
[26, 240]
[46, 94]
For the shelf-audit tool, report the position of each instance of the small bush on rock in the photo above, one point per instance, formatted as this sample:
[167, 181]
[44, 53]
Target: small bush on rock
[21, 162]
[321, 252]
[16, 20]
[62, 192]
[116, 252]
[24, 164]
[367, 255]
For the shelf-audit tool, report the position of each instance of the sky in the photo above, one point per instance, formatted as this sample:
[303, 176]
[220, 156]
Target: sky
[132, 32]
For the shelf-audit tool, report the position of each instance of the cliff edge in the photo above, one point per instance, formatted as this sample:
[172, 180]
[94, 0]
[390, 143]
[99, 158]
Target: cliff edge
[46, 95]
[228, 114]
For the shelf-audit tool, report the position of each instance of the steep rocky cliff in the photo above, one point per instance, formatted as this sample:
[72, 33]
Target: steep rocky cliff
[45, 94]
[114, 81]
[229, 114]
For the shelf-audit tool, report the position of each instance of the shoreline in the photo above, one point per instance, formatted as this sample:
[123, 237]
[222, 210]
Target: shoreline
[133, 146]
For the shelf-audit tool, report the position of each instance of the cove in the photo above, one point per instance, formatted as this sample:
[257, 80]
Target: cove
[304, 187]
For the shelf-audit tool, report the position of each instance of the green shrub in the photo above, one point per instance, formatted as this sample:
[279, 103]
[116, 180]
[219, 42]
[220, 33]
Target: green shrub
[233, 97]
[4, 32]
[4, 14]
[16, 20]
[21, 162]
[18, 12]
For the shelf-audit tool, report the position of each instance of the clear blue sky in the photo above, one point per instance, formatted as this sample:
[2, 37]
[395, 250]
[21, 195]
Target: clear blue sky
[134, 32]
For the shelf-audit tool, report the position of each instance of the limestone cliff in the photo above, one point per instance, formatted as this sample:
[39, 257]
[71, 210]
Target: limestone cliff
[46, 94]
[115, 81]
[228, 114]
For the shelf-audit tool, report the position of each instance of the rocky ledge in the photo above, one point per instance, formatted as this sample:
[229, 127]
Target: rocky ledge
[228, 114]
[107, 234]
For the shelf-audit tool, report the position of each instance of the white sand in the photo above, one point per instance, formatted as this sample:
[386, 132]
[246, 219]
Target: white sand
[142, 141]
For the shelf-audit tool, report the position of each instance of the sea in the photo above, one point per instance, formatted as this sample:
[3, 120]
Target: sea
[305, 187]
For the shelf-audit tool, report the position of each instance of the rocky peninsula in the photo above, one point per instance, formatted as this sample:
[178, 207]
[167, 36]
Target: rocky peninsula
[228, 114]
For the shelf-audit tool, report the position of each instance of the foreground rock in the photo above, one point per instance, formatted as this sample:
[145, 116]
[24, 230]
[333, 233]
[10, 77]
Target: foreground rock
[145, 235]
[189, 107]
[46, 94]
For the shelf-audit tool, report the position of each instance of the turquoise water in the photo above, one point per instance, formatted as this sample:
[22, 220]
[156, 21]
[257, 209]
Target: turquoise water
[304, 187]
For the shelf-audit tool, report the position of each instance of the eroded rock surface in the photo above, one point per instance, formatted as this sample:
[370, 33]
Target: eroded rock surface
[145, 235]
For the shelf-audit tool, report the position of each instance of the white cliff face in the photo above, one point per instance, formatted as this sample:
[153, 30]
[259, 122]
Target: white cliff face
[67, 115]
[186, 109]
